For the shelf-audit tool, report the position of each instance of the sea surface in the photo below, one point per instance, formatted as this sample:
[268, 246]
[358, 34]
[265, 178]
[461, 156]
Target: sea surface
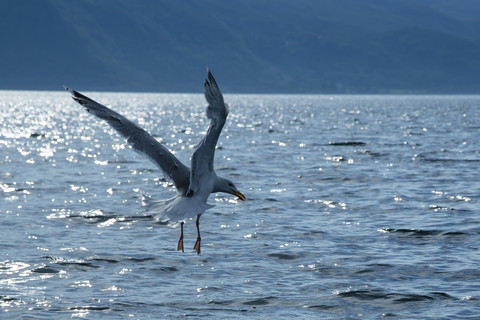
[358, 207]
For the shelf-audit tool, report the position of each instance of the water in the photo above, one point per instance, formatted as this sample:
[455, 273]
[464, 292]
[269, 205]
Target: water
[359, 207]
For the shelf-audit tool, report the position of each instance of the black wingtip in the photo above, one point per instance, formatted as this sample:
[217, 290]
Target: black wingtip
[68, 89]
[72, 92]
[77, 96]
[209, 75]
[210, 79]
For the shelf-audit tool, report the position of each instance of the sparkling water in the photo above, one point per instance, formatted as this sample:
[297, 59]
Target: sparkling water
[357, 207]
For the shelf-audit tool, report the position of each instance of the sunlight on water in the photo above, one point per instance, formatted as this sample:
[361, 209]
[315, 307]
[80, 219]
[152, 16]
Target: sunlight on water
[357, 207]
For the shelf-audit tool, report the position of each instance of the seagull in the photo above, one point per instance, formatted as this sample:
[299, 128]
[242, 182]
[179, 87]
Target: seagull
[193, 184]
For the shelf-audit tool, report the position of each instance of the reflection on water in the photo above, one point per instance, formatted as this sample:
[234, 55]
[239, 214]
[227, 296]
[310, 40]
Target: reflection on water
[358, 207]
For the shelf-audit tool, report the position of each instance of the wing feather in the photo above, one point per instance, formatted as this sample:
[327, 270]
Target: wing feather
[203, 157]
[140, 140]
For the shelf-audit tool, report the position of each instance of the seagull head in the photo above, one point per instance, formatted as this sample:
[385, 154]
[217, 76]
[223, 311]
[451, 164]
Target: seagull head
[227, 186]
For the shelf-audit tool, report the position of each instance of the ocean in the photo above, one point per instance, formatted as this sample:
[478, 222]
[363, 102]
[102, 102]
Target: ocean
[358, 207]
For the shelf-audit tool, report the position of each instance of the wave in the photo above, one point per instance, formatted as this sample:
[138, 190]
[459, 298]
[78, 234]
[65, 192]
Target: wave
[262, 301]
[418, 233]
[394, 297]
[430, 157]
[96, 216]
[347, 144]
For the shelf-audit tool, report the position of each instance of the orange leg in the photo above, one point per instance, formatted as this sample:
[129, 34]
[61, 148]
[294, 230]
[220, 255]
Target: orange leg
[180, 241]
[196, 247]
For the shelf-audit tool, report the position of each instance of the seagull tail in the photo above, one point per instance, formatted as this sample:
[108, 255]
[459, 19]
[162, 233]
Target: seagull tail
[178, 208]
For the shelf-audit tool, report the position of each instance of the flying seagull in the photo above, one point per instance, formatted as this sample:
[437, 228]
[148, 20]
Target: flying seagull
[194, 184]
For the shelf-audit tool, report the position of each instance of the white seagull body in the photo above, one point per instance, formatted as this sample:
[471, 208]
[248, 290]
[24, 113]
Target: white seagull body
[193, 185]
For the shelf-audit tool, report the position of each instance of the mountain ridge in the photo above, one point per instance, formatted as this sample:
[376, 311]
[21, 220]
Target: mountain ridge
[324, 46]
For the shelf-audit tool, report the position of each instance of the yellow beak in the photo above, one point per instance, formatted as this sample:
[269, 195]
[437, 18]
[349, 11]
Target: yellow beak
[240, 196]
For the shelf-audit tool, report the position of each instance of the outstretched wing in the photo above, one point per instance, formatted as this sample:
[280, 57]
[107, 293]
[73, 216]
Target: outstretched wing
[202, 159]
[140, 140]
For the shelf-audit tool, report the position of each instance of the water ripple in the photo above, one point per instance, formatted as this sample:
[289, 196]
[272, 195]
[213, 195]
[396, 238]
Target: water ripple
[358, 207]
